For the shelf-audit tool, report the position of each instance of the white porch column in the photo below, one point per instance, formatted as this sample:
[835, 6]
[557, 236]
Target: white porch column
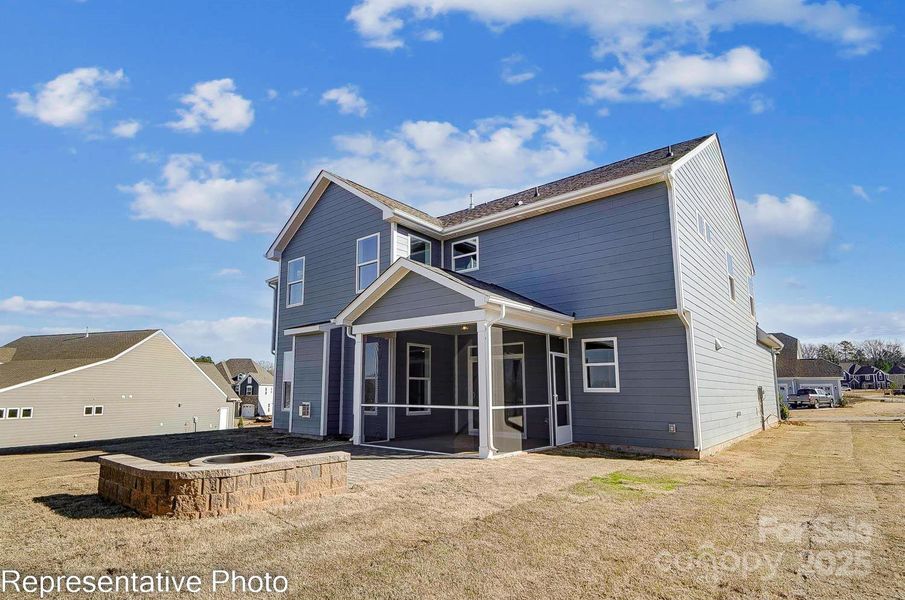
[485, 417]
[357, 388]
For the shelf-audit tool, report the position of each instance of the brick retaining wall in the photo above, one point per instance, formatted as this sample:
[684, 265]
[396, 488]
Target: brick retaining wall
[155, 489]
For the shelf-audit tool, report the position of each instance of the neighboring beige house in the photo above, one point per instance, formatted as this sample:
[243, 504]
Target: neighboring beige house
[79, 387]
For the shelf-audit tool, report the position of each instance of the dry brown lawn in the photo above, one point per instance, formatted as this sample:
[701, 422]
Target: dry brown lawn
[566, 524]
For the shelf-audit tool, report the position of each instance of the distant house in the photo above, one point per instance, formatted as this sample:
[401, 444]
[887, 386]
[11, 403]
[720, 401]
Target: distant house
[866, 377]
[78, 387]
[252, 382]
[897, 376]
[794, 372]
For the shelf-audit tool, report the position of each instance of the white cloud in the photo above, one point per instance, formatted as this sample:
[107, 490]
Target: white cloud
[69, 99]
[348, 99]
[215, 105]
[430, 35]
[126, 129]
[819, 322]
[195, 192]
[272, 94]
[78, 308]
[627, 28]
[676, 76]
[760, 104]
[860, 192]
[228, 273]
[224, 338]
[793, 229]
[515, 71]
[435, 164]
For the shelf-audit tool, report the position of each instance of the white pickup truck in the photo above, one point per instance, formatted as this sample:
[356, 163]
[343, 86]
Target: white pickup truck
[810, 398]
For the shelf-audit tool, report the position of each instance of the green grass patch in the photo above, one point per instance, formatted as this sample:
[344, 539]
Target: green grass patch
[625, 486]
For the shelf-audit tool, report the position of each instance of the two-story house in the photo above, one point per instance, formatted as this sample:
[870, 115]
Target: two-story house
[612, 307]
[252, 382]
[865, 377]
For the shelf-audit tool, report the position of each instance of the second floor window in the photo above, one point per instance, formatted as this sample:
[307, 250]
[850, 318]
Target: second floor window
[419, 250]
[367, 261]
[465, 255]
[295, 282]
[730, 269]
[751, 296]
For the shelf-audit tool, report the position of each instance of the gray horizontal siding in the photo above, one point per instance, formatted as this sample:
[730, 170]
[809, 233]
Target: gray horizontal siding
[309, 358]
[605, 257]
[415, 296]
[654, 386]
[728, 378]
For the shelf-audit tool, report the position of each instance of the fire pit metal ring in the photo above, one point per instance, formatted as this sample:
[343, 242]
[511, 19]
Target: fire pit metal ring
[241, 458]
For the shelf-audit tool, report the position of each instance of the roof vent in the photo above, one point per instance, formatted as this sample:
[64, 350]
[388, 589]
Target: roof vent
[520, 202]
[669, 151]
[536, 191]
[470, 201]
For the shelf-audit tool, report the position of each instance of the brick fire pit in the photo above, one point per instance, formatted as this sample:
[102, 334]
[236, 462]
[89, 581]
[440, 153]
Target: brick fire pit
[219, 485]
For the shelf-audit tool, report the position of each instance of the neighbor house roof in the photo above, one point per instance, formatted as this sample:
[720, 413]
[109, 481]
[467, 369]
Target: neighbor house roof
[38, 356]
[217, 377]
[262, 376]
[897, 369]
[232, 367]
[660, 157]
[789, 365]
[867, 370]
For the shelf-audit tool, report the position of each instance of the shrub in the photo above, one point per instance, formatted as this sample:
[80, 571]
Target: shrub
[783, 411]
[241, 423]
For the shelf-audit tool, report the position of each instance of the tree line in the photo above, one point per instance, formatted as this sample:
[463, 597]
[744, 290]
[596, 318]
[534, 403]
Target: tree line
[878, 353]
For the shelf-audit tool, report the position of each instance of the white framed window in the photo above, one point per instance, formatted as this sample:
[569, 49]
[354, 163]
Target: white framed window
[249, 389]
[465, 255]
[287, 395]
[370, 384]
[600, 365]
[367, 261]
[12, 413]
[88, 411]
[26, 413]
[2, 413]
[98, 410]
[419, 249]
[709, 234]
[418, 379]
[751, 304]
[305, 410]
[702, 226]
[295, 282]
[730, 270]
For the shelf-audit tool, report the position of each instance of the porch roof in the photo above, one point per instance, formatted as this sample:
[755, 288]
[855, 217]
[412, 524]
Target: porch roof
[470, 293]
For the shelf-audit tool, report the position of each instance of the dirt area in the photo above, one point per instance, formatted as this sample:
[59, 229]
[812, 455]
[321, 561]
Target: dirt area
[807, 511]
[858, 409]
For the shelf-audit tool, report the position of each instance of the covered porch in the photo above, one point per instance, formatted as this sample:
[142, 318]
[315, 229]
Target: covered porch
[446, 364]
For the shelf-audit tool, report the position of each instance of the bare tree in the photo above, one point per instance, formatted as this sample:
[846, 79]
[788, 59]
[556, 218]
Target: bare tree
[809, 350]
[267, 365]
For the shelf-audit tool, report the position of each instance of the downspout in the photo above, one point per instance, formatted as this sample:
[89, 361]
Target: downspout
[348, 331]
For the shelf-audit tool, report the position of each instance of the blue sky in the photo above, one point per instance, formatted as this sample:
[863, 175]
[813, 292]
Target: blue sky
[150, 150]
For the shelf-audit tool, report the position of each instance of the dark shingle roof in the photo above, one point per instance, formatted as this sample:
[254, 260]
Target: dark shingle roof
[867, 370]
[817, 367]
[897, 369]
[789, 365]
[623, 168]
[495, 289]
[41, 355]
[660, 157]
[217, 377]
[383, 198]
[232, 367]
